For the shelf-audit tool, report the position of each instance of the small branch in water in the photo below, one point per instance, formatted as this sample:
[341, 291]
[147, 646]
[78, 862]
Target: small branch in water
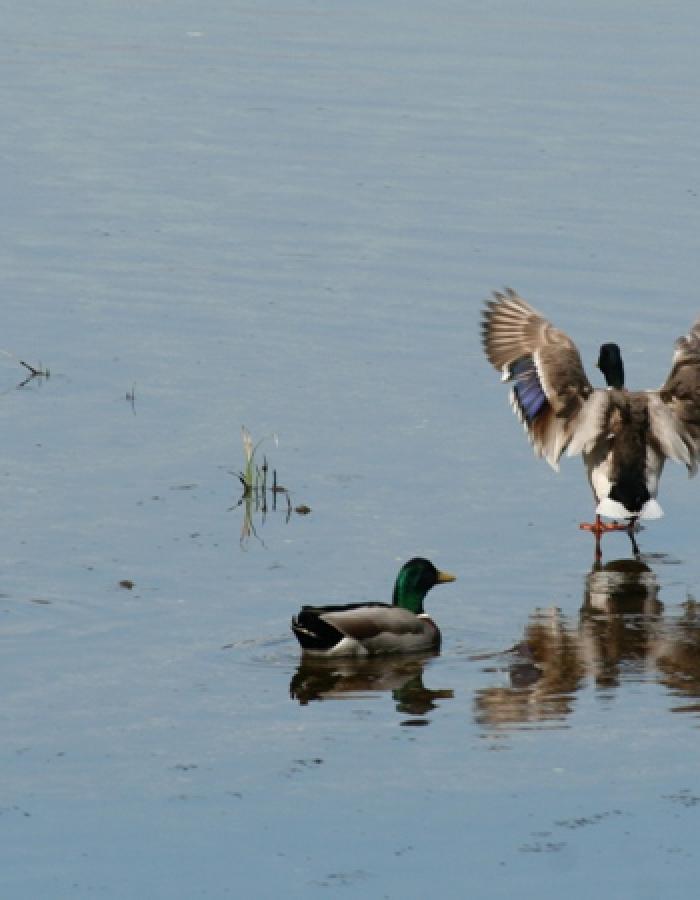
[33, 372]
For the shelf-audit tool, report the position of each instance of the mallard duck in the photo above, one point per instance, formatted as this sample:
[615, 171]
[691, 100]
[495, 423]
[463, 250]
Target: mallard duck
[361, 629]
[624, 436]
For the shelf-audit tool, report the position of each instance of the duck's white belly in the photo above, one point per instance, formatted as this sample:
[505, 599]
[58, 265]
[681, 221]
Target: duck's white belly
[348, 646]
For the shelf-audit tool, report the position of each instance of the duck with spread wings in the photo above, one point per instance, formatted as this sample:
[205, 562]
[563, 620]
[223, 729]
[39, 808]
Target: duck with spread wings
[624, 436]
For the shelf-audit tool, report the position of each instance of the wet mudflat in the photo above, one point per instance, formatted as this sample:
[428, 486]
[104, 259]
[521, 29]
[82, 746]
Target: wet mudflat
[287, 217]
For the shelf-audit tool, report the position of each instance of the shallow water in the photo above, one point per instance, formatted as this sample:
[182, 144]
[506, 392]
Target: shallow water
[288, 217]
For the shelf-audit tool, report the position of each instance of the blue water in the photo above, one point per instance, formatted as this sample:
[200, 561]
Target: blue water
[288, 216]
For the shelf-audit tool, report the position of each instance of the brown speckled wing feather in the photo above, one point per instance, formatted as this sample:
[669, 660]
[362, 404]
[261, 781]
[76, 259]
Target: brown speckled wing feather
[675, 407]
[551, 393]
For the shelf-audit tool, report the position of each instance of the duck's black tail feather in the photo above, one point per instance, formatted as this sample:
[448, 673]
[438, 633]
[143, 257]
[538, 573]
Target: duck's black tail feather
[630, 490]
[312, 632]
[629, 498]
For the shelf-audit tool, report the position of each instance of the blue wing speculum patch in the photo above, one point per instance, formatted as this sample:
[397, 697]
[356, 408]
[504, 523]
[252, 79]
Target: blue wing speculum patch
[527, 390]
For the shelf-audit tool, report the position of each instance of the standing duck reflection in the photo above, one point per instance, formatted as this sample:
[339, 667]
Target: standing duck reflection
[543, 673]
[622, 586]
[676, 655]
[622, 633]
[620, 618]
[348, 677]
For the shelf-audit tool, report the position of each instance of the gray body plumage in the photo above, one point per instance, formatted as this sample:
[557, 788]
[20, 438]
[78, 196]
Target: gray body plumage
[365, 629]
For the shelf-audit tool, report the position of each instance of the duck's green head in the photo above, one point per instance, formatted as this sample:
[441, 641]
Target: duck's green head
[414, 581]
[610, 364]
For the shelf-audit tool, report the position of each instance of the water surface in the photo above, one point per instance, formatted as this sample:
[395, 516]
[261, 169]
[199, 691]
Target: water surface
[287, 216]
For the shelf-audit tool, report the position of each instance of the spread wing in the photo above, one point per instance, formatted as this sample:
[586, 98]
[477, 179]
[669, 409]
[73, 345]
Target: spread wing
[551, 393]
[674, 409]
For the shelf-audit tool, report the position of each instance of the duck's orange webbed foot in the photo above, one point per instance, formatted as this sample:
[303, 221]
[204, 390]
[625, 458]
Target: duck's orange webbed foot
[599, 527]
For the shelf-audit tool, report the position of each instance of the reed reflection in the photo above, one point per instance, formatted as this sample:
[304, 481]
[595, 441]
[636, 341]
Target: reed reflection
[261, 490]
[622, 633]
[349, 677]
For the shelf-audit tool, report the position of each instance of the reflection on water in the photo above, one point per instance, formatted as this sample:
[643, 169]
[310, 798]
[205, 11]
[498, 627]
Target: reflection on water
[349, 677]
[620, 618]
[622, 586]
[260, 493]
[543, 672]
[255, 503]
[622, 633]
[676, 655]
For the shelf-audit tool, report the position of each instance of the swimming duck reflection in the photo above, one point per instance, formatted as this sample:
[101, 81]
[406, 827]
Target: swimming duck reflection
[338, 678]
[621, 632]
